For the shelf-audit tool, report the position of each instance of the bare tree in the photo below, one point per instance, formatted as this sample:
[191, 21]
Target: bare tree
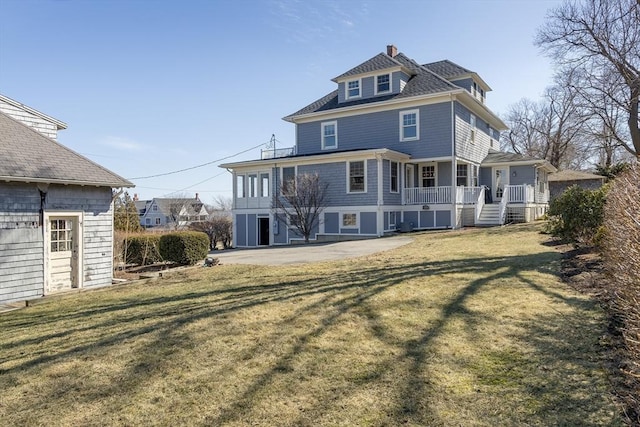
[300, 202]
[551, 128]
[600, 41]
[218, 224]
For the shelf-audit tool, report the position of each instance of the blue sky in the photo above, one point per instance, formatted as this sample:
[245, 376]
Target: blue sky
[148, 87]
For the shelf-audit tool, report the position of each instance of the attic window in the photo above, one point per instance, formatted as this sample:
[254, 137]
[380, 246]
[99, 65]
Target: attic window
[383, 84]
[353, 89]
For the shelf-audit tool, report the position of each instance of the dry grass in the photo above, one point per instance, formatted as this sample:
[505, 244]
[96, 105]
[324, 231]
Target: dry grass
[466, 328]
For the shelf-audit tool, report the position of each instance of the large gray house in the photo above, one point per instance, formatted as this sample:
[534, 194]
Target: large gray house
[401, 146]
[56, 216]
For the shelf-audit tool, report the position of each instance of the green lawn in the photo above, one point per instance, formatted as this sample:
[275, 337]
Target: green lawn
[459, 328]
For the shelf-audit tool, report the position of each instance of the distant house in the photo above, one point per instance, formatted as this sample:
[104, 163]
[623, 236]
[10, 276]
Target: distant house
[401, 145]
[560, 181]
[56, 210]
[175, 213]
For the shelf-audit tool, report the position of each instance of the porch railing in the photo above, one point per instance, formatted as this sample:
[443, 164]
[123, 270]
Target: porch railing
[427, 195]
[504, 202]
[472, 195]
[277, 153]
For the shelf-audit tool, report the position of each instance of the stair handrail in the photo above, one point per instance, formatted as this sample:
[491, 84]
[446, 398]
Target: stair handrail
[503, 204]
[480, 202]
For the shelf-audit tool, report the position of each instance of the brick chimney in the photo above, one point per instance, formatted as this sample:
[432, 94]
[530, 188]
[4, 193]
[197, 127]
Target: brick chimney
[197, 197]
[392, 50]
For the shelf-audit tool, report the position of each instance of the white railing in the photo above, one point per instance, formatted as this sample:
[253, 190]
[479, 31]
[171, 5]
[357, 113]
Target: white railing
[468, 195]
[277, 153]
[526, 194]
[504, 202]
[479, 203]
[427, 195]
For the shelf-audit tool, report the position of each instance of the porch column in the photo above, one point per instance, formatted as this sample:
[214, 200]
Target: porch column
[379, 212]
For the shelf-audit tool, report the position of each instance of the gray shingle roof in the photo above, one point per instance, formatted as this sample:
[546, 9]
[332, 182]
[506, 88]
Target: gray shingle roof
[166, 205]
[447, 69]
[504, 157]
[27, 154]
[424, 82]
[571, 175]
[379, 62]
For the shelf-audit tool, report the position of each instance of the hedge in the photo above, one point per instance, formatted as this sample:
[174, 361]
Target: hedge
[184, 247]
[143, 249]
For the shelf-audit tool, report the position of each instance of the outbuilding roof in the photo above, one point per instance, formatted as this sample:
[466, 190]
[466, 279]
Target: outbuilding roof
[29, 156]
[572, 175]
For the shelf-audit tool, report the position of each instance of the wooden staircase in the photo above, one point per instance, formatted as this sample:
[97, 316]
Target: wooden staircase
[490, 216]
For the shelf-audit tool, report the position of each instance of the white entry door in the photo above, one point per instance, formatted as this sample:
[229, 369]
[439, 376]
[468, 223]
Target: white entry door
[63, 253]
[500, 180]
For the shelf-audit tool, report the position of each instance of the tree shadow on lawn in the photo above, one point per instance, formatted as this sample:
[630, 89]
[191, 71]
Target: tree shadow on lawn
[330, 299]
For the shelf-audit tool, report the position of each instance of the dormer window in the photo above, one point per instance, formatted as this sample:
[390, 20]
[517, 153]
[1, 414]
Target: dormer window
[353, 89]
[383, 84]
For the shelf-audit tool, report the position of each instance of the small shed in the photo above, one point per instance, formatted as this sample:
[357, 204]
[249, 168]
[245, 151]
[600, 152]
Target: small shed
[560, 181]
[56, 212]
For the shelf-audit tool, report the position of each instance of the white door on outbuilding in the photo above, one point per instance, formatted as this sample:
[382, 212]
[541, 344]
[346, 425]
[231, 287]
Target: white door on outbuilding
[63, 246]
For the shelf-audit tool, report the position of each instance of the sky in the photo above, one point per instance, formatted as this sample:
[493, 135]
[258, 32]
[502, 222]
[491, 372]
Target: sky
[149, 87]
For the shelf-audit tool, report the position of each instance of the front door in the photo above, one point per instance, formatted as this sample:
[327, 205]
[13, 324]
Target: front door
[500, 180]
[263, 231]
[63, 253]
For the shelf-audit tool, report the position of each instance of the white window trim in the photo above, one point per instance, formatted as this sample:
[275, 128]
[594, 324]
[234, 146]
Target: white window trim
[401, 121]
[375, 82]
[468, 178]
[391, 190]
[349, 177]
[395, 220]
[241, 192]
[252, 184]
[473, 125]
[261, 182]
[349, 227]
[346, 89]
[335, 127]
[435, 174]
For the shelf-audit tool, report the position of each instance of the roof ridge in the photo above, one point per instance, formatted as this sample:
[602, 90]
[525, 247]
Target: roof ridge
[423, 68]
[60, 124]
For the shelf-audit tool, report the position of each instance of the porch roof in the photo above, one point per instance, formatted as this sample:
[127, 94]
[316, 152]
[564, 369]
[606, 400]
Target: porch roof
[500, 158]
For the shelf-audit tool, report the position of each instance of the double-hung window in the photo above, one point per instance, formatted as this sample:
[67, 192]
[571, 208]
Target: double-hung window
[409, 125]
[353, 89]
[356, 179]
[264, 185]
[329, 135]
[429, 176]
[393, 177]
[462, 172]
[240, 187]
[253, 185]
[383, 84]
[472, 124]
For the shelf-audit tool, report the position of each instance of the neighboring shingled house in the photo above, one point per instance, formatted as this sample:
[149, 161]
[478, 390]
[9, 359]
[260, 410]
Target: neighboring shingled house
[401, 146]
[175, 213]
[560, 181]
[56, 210]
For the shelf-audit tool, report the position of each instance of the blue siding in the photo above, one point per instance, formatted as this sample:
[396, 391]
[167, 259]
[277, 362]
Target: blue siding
[523, 175]
[411, 217]
[368, 223]
[241, 230]
[426, 219]
[464, 83]
[331, 222]
[335, 174]
[281, 237]
[443, 218]
[444, 173]
[348, 231]
[252, 230]
[389, 197]
[382, 130]
[485, 177]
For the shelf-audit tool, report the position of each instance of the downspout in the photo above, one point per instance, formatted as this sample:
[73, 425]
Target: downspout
[454, 211]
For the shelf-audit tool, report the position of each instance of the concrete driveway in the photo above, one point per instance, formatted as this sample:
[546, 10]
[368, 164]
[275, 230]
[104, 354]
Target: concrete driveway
[313, 252]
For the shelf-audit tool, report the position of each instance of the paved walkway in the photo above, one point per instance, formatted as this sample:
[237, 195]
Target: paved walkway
[313, 252]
